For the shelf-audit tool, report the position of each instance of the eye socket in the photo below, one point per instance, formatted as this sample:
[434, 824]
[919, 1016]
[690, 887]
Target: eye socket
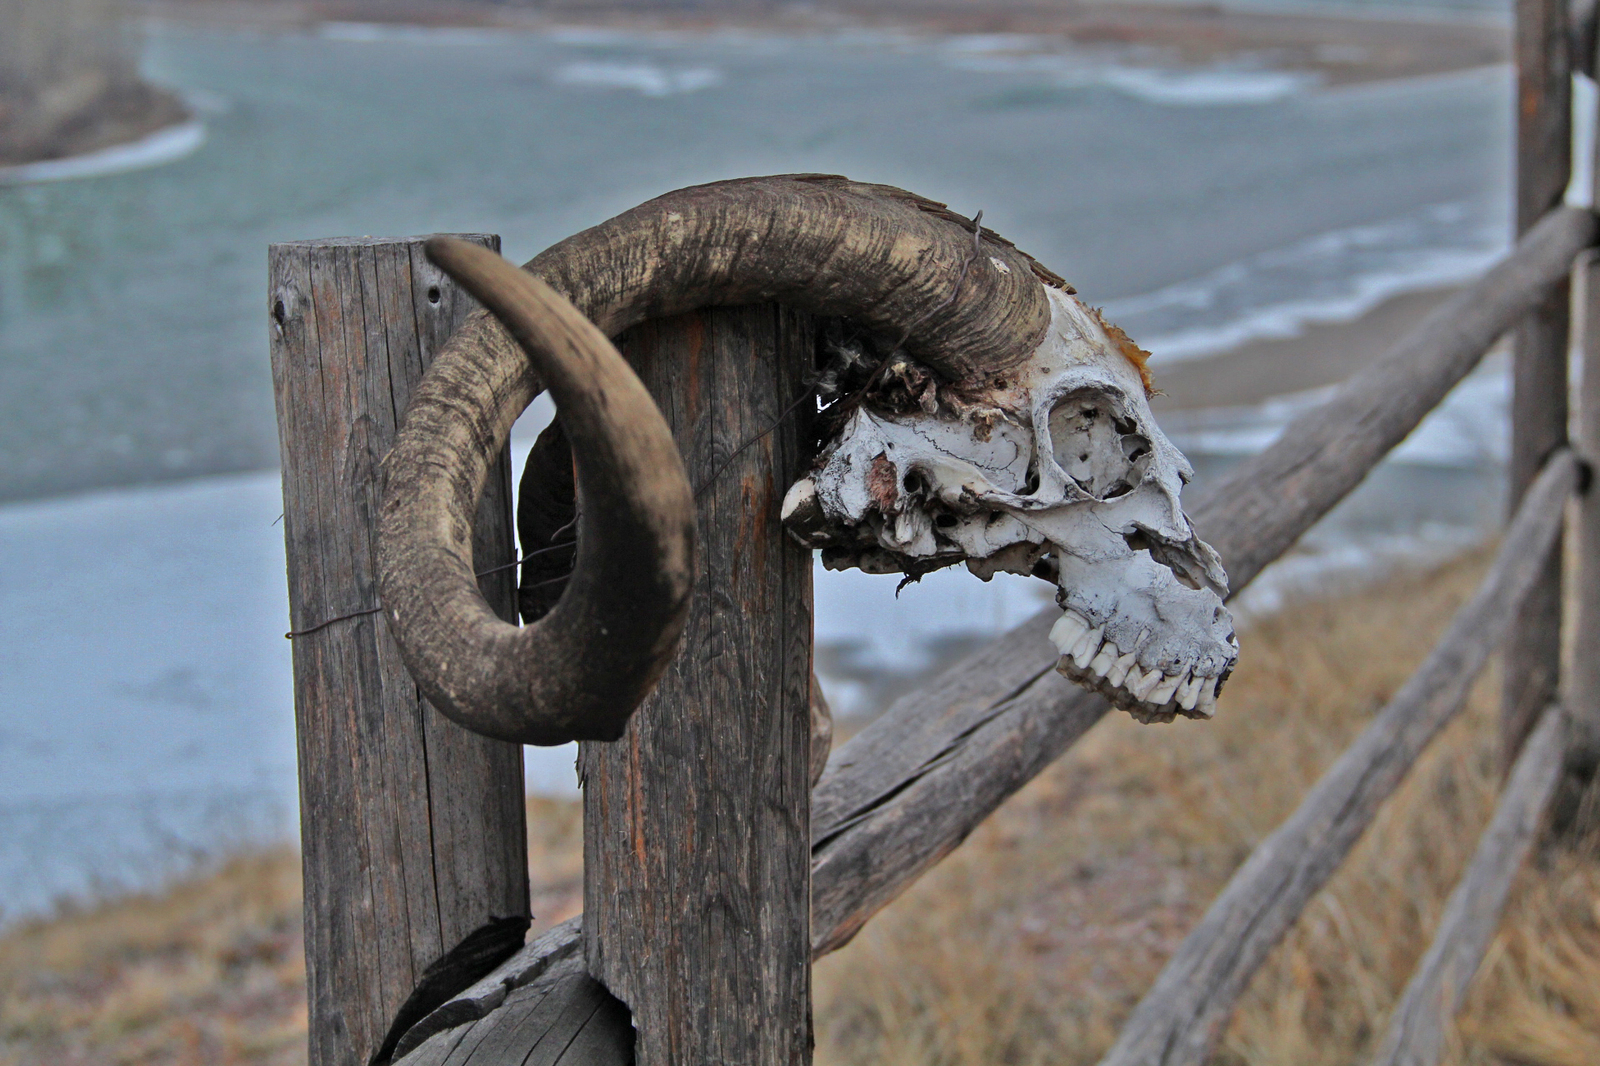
[1096, 444]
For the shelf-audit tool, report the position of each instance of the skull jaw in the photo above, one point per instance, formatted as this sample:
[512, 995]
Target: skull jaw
[1133, 631]
[1155, 644]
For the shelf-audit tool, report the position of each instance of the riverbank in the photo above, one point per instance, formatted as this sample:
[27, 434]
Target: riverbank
[1335, 48]
[1072, 896]
[117, 116]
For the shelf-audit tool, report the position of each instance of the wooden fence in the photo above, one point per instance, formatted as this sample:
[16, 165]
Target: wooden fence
[908, 789]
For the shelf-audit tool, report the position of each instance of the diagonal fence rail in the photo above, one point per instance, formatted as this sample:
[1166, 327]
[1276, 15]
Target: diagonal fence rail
[1181, 1018]
[1416, 1033]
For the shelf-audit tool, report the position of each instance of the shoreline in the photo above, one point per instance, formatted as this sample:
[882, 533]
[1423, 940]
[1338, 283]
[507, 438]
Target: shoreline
[1322, 354]
[1331, 47]
[119, 119]
[167, 144]
[1338, 48]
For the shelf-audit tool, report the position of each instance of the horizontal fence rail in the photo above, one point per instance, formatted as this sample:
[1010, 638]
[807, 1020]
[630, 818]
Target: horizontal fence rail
[1182, 1016]
[910, 787]
[1435, 993]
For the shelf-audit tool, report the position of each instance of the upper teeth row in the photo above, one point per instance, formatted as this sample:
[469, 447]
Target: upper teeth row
[1088, 649]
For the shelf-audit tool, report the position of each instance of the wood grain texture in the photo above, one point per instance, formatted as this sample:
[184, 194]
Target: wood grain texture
[412, 828]
[696, 830]
[1435, 993]
[564, 1018]
[1183, 1015]
[1539, 350]
[538, 957]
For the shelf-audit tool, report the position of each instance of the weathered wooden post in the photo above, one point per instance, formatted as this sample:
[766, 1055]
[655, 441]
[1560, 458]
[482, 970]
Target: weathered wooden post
[1581, 694]
[1539, 400]
[412, 828]
[697, 823]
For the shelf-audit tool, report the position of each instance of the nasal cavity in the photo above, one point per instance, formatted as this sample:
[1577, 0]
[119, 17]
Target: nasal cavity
[1097, 445]
[1174, 559]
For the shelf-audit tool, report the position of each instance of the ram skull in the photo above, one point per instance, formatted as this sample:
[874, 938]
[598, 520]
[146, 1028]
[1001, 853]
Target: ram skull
[1001, 424]
[1059, 471]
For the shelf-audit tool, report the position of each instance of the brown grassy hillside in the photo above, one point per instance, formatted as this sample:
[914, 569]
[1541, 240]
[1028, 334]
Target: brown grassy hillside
[1029, 944]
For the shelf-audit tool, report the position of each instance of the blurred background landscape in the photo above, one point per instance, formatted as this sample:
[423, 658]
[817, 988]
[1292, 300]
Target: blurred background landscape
[1263, 195]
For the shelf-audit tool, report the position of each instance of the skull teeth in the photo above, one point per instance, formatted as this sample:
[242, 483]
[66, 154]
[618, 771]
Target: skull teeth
[1144, 689]
[1150, 695]
[1189, 692]
[1163, 690]
[1068, 630]
[1088, 645]
[1118, 673]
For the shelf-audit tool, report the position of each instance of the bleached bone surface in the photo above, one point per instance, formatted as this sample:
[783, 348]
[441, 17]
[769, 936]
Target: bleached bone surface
[1061, 472]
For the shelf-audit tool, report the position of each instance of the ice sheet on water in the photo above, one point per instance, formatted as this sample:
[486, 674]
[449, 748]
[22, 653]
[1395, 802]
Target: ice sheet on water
[1165, 85]
[647, 79]
[1470, 429]
[148, 685]
[1332, 277]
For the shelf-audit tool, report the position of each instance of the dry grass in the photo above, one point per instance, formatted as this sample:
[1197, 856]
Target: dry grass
[1034, 940]
[1031, 943]
[209, 972]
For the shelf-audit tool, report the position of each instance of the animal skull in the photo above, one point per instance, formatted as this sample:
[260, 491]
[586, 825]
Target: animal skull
[1057, 471]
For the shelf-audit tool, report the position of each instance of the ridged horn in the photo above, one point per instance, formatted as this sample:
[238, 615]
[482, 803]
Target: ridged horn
[959, 298]
[579, 672]
[888, 259]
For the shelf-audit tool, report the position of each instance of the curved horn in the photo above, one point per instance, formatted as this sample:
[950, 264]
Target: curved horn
[581, 670]
[960, 299]
[888, 259]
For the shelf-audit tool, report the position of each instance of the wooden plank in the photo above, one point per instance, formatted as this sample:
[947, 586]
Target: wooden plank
[1539, 351]
[1435, 993]
[1581, 686]
[562, 1018]
[1581, 30]
[696, 829]
[412, 828]
[1183, 1015]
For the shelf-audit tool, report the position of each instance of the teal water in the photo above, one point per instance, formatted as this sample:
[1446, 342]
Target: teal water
[132, 328]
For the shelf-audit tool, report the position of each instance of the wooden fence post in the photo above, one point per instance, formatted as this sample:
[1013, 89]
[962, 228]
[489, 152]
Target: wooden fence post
[412, 829]
[1581, 695]
[696, 824]
[1539, 393]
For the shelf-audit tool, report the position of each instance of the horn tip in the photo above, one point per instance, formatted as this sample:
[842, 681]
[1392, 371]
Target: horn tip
[445, 252]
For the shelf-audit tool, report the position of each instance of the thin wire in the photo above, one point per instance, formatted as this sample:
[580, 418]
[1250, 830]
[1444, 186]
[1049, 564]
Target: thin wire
[712, 480]
[481, 573]
[324, 625]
